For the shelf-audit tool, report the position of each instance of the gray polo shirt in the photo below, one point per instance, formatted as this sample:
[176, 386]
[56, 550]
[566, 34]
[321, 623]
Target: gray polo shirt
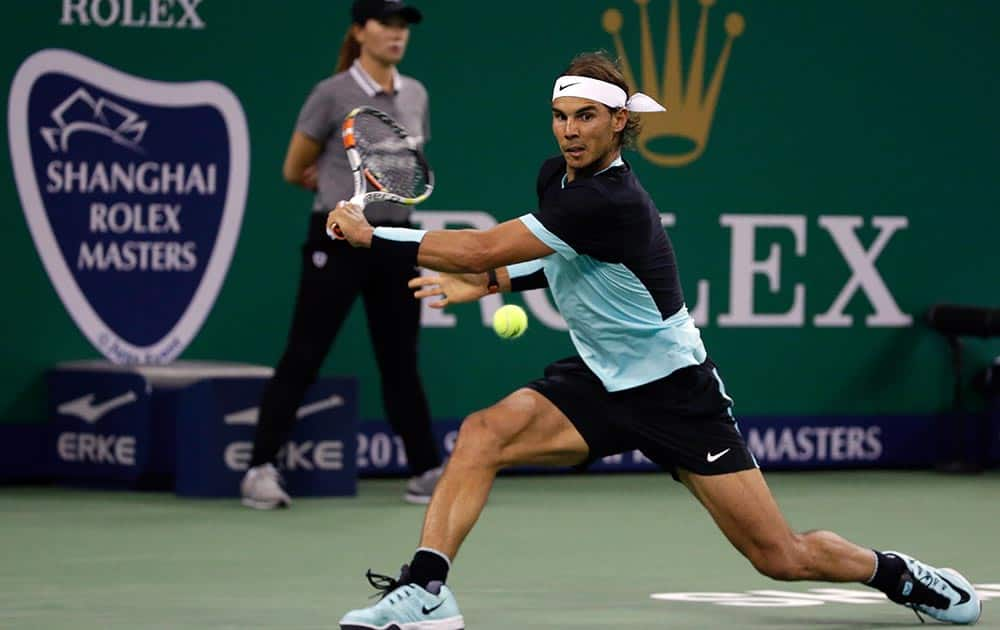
[324, 111]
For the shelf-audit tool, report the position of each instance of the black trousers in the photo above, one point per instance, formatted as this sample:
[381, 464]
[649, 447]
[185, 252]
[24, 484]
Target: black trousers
[333, 275]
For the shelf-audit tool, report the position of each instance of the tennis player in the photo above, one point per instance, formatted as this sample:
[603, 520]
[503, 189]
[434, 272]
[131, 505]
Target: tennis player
[642, 378]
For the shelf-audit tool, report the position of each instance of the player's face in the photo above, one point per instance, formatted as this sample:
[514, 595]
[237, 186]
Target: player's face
[586, 132]
[385, 40]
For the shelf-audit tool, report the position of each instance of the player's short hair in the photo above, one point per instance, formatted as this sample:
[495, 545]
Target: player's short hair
[599, 65]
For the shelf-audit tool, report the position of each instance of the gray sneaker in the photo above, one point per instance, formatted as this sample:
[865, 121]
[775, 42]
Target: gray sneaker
[420, 488]
[261, 488]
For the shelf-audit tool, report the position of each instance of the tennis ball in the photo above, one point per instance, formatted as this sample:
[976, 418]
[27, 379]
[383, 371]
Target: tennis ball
[510, 321]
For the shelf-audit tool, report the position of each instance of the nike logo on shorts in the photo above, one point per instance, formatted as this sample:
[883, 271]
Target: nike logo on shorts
[711, 457]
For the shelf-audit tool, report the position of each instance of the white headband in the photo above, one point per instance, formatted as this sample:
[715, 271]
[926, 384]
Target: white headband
[603, 92]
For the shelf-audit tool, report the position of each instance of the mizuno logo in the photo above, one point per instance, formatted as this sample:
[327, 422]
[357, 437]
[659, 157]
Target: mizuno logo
[711, 457]
[428, 611]
[85, 409]
[566, 85]
[249, 416]
[963, 595]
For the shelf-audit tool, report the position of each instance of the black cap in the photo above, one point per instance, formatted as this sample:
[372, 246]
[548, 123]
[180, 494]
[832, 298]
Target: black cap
[364, 10]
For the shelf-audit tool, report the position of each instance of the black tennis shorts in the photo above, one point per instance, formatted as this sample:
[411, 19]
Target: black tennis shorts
[683, 420]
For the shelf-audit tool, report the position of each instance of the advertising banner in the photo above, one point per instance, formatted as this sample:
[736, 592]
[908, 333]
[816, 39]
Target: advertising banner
[215, 427]
[825, 172]
[782, 443]
[100, 426]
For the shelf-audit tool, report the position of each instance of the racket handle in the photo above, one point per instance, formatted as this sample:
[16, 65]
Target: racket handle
[336, 234]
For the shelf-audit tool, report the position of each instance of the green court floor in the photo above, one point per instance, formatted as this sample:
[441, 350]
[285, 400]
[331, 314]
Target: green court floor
[550, 552]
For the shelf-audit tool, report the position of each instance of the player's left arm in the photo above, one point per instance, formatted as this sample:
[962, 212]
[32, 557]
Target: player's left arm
[456, 288]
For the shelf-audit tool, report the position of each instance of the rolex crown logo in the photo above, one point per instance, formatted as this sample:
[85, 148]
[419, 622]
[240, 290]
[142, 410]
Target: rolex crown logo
[688, 118]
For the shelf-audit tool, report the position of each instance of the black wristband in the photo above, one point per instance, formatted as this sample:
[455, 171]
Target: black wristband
[397, 250]
[492, 284]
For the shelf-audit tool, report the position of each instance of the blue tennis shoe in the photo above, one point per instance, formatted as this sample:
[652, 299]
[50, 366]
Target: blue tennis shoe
[406, 607]
[943, 594]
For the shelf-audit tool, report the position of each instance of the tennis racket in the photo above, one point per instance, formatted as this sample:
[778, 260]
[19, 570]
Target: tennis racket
[384, 157]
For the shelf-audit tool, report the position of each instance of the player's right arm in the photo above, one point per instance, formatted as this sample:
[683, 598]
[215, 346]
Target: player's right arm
[478, 251]
[451, 251]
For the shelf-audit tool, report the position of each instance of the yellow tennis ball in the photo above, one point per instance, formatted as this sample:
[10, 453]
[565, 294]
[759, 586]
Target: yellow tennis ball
[510, 321]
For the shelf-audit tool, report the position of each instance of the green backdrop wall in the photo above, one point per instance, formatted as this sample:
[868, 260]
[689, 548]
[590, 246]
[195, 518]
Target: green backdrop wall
[851, 154]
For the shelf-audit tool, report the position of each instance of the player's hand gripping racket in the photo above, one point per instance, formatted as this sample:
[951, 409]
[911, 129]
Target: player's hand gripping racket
[386, 158]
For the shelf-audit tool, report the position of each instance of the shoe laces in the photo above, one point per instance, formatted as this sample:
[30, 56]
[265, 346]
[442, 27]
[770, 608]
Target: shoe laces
[385, 585]
[933, 581]
[928, 589]
[916, 612]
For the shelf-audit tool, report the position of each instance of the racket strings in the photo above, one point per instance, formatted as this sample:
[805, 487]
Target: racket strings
[389, 157]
